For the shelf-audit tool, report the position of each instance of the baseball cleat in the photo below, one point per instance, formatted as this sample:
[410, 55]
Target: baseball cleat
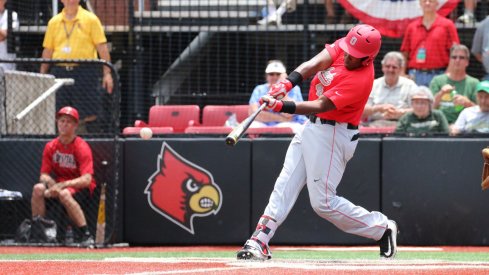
[388, 242]
[252, 250]
[272, 19]
[467, 19]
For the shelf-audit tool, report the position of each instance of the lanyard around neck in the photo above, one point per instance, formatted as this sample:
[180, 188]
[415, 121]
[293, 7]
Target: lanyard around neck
[68, 34]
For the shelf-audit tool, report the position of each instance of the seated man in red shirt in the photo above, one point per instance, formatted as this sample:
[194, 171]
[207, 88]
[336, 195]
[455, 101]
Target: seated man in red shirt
[66, 173]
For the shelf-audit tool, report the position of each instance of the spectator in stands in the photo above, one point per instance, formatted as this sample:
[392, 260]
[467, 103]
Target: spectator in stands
[422, 119]
[346, 18]
[426, 43]
[475, 119]
[455, 89]
[391, 93]
[4, 54]
[275, 71]
[66, 173]
[273, 15]
[468, 18]
[76, 33]
[480, 45]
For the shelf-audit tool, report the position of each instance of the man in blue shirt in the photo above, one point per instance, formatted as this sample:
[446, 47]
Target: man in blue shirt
[275, 72]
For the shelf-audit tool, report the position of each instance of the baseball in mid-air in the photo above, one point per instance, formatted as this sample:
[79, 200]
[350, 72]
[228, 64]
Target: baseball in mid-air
[146, 133]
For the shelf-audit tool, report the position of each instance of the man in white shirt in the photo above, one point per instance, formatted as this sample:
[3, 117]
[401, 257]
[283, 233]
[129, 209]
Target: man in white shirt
[391, 94]
[475, 119]
[3, 35]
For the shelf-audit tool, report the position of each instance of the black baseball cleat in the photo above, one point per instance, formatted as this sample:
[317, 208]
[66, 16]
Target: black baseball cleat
[252, 250]
[388, 242]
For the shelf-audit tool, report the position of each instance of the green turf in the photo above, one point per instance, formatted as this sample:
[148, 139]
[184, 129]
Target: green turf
[298, 255]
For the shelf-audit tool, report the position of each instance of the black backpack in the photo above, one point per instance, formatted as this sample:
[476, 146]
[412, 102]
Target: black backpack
[37, 230]
[23, 233]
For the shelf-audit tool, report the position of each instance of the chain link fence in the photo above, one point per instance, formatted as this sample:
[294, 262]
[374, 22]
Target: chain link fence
[28, 104]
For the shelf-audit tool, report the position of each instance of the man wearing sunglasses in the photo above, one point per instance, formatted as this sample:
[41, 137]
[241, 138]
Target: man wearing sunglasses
[455, 89]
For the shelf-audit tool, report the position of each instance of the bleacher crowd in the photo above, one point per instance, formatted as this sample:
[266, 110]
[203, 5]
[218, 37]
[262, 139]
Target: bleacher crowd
[430, 55]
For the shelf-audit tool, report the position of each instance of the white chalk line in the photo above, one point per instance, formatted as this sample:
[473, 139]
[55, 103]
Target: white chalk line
[355, 248]
[337, 265]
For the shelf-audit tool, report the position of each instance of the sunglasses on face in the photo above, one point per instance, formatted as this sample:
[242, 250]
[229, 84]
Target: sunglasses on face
[391, 67]
[461, 57]
[274, 74]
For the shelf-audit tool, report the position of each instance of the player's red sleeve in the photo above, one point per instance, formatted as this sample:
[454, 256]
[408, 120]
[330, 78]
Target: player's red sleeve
[334, 50]
[84, 158]
[352, 89]
[47, 159]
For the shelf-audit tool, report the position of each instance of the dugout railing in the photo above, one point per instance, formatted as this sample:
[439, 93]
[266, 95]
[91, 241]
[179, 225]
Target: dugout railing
[28, 104]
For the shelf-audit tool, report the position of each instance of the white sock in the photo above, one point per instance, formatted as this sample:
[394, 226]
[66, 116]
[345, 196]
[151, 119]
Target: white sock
[282, 9]
[265, 229]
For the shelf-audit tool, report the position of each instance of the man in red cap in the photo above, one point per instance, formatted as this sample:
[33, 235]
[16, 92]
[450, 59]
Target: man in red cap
[66, 173]
[317, 156]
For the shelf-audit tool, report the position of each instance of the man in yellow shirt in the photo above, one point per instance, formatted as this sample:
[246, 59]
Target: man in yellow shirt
[76, 33]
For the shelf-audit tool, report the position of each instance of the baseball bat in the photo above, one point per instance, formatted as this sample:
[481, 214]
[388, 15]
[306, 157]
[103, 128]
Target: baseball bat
[238, 132]
[100, 232]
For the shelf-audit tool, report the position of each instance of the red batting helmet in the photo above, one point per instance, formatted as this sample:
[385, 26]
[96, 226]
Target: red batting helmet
[68, 111]
[362, 41]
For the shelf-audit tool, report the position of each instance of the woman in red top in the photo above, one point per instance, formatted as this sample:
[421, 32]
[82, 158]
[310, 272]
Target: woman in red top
[67, 169]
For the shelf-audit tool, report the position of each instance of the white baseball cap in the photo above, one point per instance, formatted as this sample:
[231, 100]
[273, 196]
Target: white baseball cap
[423, 92]
[275, 67]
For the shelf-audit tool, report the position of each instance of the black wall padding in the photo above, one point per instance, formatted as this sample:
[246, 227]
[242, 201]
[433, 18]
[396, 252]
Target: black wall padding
[230, 168]
[431, 187]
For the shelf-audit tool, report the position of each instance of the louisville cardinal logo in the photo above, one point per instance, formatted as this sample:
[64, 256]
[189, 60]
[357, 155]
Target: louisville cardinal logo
[180, 190]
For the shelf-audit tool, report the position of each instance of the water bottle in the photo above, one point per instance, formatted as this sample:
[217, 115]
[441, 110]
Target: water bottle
[69, 239]
[458, 108]
[232, 121]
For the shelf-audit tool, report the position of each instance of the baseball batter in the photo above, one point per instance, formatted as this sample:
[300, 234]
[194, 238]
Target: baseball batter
[317, 156]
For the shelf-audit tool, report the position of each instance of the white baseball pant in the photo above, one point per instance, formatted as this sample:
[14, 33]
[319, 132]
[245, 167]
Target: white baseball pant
[317, 156]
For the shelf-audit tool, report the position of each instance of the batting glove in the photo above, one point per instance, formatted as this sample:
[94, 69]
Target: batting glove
[272, 103]
[279, 90]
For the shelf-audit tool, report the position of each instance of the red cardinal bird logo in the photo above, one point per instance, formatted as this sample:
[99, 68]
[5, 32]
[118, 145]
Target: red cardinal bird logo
[180, 190]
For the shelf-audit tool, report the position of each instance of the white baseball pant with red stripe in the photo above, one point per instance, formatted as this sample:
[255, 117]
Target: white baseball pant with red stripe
[317, 156]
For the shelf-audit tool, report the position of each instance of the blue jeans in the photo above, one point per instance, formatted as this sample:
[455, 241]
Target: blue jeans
[423, 78]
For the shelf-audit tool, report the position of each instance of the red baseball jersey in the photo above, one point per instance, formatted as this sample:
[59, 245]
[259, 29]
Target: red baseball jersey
[436, 41]
[68, 161]
[348, 90]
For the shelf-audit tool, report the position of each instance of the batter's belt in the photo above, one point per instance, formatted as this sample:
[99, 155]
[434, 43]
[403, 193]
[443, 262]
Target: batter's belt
[314, 118]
